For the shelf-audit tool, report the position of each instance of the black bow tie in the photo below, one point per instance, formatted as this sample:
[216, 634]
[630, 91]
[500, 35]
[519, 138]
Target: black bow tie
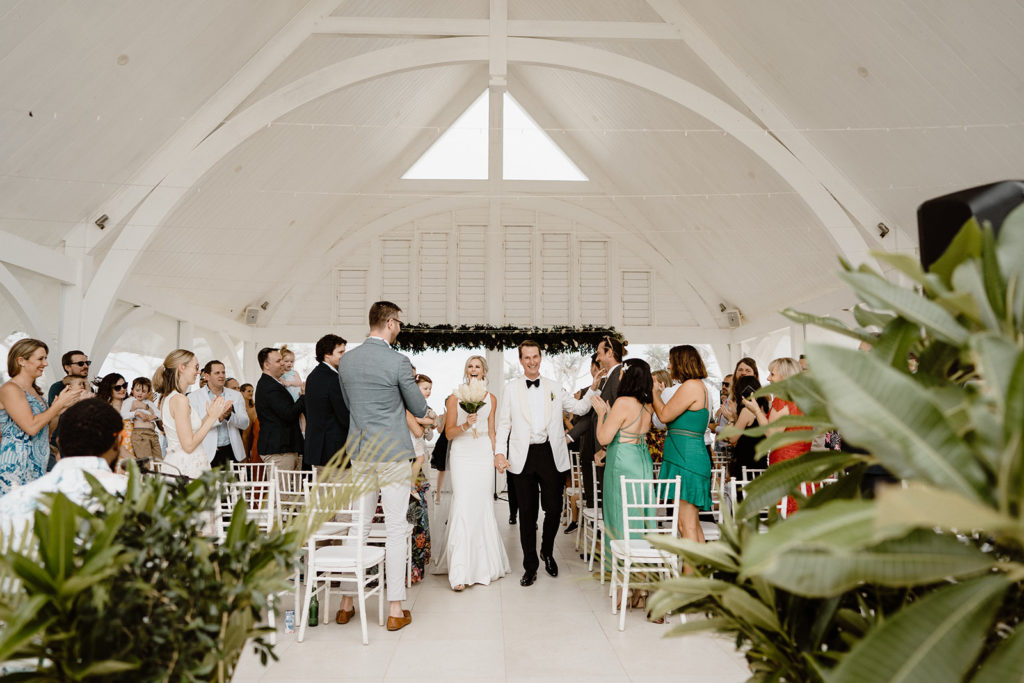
[533, 383]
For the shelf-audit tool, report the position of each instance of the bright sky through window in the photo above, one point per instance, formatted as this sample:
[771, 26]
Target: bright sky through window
[461, 151]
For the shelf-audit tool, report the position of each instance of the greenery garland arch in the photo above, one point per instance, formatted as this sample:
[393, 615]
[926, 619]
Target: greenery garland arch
[561, 339]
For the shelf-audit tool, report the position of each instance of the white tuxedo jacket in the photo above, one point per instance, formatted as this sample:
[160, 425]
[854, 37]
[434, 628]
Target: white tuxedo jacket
[514, 421]
[236, 422]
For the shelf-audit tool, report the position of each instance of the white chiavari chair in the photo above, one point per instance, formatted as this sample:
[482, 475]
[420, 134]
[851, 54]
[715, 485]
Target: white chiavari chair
[593, 526]
[348, 564]
[647, 509]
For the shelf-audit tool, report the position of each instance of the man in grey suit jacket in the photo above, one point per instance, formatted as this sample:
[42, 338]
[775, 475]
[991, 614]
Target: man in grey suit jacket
[609, 356]
[378, 386]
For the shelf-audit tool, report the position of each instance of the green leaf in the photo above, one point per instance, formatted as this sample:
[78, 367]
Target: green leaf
[1005, 663]
[920, 558]
[911, 267]
[749, 609]
[1010, 252]
[894, 344]
[785, 477]
[968, 280]
[865, 317]
[886, 412]
[56, 534]
[912, 306]
[104, 668]
[845, 523]
[825, 322]
[996, 357]
[717, 554]
[697, 626]
[21, 629]
[918, 504]
[965, 245]
[934, 639]
[995, 285]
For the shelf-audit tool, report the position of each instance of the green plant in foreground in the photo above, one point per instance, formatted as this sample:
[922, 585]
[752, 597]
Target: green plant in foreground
[924, 583]
[136, 587]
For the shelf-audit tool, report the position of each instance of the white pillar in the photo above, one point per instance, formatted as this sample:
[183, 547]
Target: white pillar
[186, 335]
[250, 366]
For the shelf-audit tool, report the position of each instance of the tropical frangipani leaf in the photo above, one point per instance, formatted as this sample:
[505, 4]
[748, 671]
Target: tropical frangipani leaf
[886, 412]
[934, 639]
[930, 507]
[1005, 663]
[920, 558]
[784, 478]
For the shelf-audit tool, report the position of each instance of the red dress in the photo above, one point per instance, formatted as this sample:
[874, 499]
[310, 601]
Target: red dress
[793, 450]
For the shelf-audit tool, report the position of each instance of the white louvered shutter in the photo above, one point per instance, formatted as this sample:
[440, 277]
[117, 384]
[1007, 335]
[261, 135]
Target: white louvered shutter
[555, 286]
[433, 277]
[518, 288]
[395, 265]
[593, 282]
[471, 298]
[636, 297]
[349, 296]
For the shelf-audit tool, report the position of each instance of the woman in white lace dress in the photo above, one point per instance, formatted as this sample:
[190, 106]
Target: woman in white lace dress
[473, 551]
[184, 428]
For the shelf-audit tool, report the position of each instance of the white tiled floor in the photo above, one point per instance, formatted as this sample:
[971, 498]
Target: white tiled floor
[558, 629]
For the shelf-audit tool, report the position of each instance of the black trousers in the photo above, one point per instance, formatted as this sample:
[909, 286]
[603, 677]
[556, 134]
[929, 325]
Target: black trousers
[224, 456]
[513, 500]
[539, 471]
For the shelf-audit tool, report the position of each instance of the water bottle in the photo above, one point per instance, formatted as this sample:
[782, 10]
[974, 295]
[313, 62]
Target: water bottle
[314, 611]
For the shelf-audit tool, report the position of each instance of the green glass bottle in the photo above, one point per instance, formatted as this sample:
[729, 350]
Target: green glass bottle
[314, 611]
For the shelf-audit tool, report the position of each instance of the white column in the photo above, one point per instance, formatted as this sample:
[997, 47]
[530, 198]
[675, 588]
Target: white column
[186, 335]
[250, 365]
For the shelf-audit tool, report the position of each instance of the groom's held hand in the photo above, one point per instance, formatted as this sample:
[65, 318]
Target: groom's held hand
[501, 463]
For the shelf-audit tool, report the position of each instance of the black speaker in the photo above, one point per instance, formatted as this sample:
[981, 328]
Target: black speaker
[939, 219]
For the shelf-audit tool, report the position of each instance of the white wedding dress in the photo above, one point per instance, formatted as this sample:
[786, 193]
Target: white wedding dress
[192, 464]
[473, 551]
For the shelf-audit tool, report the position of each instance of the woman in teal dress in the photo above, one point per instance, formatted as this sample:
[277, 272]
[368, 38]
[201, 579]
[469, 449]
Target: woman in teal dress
[623, 428]
[686, 413]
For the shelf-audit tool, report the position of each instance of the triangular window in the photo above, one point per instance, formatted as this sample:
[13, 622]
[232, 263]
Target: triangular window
[461, 152]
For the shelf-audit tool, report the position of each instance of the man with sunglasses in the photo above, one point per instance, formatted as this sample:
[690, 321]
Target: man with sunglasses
[76, 364]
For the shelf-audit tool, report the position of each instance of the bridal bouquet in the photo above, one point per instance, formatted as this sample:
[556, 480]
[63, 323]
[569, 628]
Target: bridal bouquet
[472, 395]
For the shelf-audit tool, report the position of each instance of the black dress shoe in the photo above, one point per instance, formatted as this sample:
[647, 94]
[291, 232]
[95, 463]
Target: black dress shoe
[549, 564]
[573, 526]
[511, 519]
[528, 578]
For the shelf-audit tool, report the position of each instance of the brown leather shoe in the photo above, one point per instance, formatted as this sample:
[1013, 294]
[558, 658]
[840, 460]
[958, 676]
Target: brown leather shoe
[342, 617]
[396, 623]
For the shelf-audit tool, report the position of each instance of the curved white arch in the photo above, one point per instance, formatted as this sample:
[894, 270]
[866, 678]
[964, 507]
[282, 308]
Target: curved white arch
[23, 304]
[699, 308]
[138, 231]
[131, 318]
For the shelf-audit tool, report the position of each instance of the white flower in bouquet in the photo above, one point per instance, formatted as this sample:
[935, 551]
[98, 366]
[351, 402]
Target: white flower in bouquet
[472, 395]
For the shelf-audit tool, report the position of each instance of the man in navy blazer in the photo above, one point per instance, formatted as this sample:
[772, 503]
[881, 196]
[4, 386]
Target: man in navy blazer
[280, 440]
[326, 411]
[379, 387]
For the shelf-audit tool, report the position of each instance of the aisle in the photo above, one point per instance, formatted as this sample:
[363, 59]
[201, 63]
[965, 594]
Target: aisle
[558, 629]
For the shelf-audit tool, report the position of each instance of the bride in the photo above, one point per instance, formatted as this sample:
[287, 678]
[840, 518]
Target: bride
[473, 551]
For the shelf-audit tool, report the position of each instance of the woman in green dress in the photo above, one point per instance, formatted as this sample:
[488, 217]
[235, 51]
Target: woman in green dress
[686, 412]
[623, 429]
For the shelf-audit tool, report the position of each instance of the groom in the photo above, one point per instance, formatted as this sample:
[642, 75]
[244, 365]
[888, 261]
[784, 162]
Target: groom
[531, 412]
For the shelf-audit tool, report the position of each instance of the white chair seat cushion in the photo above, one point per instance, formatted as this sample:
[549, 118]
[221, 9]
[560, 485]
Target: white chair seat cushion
[344, 557]
[639, 549]
[572, 490]
[591, 513]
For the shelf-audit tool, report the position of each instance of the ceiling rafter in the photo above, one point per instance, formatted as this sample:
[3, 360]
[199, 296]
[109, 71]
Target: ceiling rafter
[520, 28]
[775, 120]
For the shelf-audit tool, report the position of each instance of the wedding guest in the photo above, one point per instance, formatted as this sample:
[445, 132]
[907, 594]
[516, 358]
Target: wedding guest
[289, 378]
[326, 412]
[223, 444]
[280, 437]
[745, 367]
[778, 370]
[744, 446]
[656, 436]
[142, 413]
[418, 427]
[473, 551]
[113, 388]
[378, 386]
[75, 364]
[609, 356]
[685, 410]
[88, 445]
[25, 419]
[232, 383]
[439, 458]
[248, 435]
[184, 427]
[622, 429]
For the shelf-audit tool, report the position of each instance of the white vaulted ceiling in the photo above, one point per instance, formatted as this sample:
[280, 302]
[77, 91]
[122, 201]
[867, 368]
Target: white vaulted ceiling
[249, 151]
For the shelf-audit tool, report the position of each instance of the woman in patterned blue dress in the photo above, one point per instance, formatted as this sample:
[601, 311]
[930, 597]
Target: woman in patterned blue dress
[25, 420]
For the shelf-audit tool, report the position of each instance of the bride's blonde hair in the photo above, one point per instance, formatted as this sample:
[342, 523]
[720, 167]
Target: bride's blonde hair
[465, 370]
